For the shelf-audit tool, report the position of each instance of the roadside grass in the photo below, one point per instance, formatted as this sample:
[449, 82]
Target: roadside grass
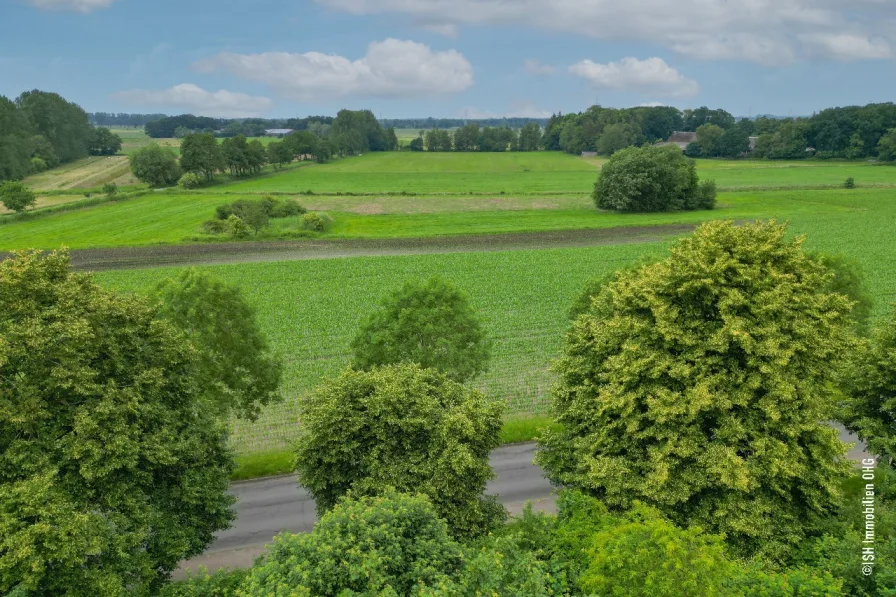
[280, 462]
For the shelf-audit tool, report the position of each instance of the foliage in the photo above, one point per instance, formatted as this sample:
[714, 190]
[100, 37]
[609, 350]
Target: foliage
[405, 427]
[394, 544]
[650, 557]
[104, 142]
[530, 137]
[164, 128]
[216, 226]
[237, 227]
[110, 189]
[255, 215]
[237, 369]
[63, 124]
[16, 196]
[313, 221]
[849, 183]
[111, 469]
[416, 144]
[685, 384]
[616, 137]
[201, 154]
[886, 147]
[870, 410]
[190, 180]
[849, 280]
[709, 137]
[286, 208]
[157, 166]
[221, 583]
[430, 323]
[438, 140]
[644, 179]
[38, 165]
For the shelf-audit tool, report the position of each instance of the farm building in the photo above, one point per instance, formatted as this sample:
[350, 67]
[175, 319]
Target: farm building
[277, 132]
[680, 138]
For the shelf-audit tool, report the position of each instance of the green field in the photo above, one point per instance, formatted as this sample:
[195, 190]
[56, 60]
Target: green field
[522, 296]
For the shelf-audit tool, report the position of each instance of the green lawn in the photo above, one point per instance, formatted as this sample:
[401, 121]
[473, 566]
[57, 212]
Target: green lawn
[522, 296]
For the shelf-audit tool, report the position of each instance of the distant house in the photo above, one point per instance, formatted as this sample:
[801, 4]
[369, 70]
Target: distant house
[277, 132]
[680, 138]
[589, 154]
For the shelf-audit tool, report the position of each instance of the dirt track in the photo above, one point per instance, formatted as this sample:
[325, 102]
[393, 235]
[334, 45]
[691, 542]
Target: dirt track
[241, 252]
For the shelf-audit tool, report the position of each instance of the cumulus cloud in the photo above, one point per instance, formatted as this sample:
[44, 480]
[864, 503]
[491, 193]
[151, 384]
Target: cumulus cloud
[391, 68]
[82, 6]
[194, 99]
[761, 31]
[537, 67]
[848, 47]
[631, 74]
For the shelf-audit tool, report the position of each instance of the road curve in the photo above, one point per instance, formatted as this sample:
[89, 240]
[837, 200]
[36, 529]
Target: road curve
[269, 506]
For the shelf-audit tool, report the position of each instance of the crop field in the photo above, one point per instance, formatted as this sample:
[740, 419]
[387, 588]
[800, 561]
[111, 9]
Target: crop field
[538, 173]
[86, 173]
[171, 218]
[522, 296]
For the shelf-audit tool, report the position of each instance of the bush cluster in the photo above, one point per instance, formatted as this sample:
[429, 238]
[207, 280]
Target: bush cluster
[245, 215]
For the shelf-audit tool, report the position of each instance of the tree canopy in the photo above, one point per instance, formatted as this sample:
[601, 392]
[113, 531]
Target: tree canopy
[428, 322]
[404, 427]
[155, 165]
[111, 469]
[16, 196]
[700, 385]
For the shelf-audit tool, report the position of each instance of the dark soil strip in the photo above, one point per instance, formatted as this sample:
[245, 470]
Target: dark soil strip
[242, 252]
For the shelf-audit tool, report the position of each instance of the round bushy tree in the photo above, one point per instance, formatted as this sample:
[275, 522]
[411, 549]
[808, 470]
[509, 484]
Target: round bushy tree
[405, 427]
[430, 323]
[644, 179]
[700, 385]
[870, 411]
[16, 196]
[111, 468]
[238, 370]
[156, 166]
[394, 544]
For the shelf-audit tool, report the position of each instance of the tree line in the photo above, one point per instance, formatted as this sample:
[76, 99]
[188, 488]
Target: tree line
[203, 156]
[41, 130]
[122, 118]
[471, 137]
[453, 123]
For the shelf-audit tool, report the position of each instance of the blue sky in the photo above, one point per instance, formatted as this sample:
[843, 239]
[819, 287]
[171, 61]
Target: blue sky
[449, 58]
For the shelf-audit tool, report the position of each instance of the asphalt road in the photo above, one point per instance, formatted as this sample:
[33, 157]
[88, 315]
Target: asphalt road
[269, 506]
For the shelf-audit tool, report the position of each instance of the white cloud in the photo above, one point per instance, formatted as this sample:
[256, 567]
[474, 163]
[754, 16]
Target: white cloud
[391, 68]
[537, 67]
[848, 47]
[446, 29]
[761, 31]
[652, 104]
[194, 99]
[631, 74]
[82, 6]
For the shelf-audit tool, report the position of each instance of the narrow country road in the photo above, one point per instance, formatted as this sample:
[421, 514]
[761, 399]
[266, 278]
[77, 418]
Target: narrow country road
[268, 506]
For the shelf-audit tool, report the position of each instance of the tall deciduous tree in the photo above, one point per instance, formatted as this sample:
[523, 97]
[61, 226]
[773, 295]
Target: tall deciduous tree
[404, 427]
[16, 196]
[111, 468]
[238, 370]
[201, 154]
[430, 323]
[157, 166]
[530, 137]
[701, 385]
[104, 142]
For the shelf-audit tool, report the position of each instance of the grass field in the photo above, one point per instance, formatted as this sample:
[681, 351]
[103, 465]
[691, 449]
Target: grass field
[83, 174]
[522, 295]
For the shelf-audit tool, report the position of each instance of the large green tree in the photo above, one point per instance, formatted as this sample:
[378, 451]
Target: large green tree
[63, 123]
[430, 323]
[201, 154]
[104, 142]
[405, 427]
[16, 196]
[701, 385]
[238, 370]
[15, 148]
[651, 178]
[111, 468]
[870, 410]
[155, 165]
[886, 147]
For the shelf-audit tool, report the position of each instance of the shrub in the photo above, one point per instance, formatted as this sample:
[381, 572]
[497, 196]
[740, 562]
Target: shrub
[684, 384]
[254, 214]
[645, 179]
[16, 197]
[237, 368]
[848, 279]
[705, 197]
[190, 180]
[394, 544]
[312, 221]
[430, 323]
[287, 208]
[112, 471]
[850, 183]
[222, 583]
[405, 427]
[38, 165]
[237, 227]
[157, 166]
[222, 212]
[110, 189]
[216, 227]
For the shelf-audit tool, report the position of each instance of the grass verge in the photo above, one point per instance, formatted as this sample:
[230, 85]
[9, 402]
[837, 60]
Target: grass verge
[269, 464]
